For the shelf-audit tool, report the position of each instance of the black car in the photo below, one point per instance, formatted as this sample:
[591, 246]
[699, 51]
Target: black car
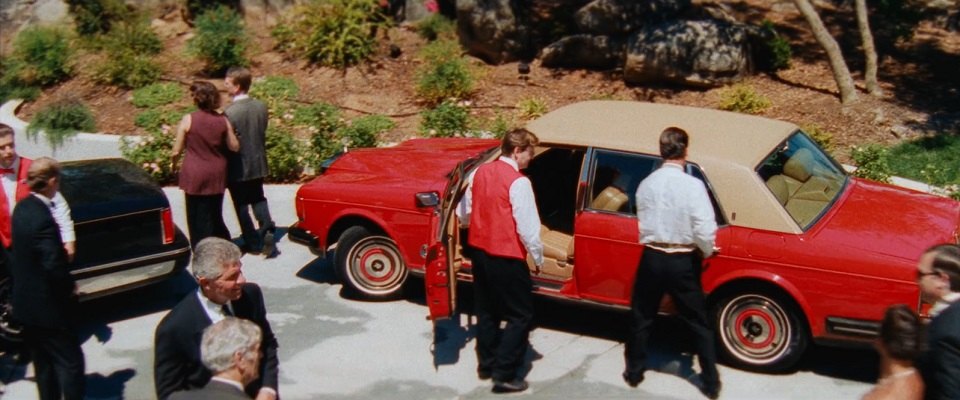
[126, 237]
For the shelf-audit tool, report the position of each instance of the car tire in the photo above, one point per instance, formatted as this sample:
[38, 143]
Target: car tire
[370, 265]
[760, 331]
[10, 330]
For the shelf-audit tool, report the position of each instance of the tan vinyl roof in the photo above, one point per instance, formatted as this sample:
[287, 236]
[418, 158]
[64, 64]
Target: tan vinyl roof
[727, 146]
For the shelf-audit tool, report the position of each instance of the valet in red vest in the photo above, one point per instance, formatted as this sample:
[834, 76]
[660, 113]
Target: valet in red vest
[13, 175]
[504, 228]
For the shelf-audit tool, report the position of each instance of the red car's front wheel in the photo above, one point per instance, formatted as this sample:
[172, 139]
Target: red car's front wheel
[370, 265]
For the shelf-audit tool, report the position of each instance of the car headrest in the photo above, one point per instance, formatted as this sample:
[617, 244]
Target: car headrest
[800, 165]
[610, 199]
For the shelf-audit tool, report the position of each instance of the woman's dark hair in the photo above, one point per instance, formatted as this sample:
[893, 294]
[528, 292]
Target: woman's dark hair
[205, 95]
[673, 143]
[900, 333]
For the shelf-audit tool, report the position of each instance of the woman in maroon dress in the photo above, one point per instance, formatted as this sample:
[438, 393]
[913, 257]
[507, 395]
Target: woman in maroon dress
[206, 135]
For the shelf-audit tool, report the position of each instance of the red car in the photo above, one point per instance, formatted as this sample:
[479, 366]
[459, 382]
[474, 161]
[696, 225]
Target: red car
[807, 253]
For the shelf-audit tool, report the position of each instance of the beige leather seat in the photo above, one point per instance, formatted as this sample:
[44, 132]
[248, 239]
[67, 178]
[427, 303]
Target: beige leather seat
[802, 194]
[610, 199]
[557, 253]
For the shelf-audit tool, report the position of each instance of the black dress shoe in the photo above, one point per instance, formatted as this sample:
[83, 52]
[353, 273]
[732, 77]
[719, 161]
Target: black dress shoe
[269, 244]
[484, 375]
[514, 386]
[711, 390]
[632, 381]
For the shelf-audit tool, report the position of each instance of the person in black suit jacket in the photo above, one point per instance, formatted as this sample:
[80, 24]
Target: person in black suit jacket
[44, 292]
[223, 291]
[938, 276]
[231, 349]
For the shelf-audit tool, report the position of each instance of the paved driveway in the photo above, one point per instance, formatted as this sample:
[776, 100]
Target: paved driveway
[336, 348]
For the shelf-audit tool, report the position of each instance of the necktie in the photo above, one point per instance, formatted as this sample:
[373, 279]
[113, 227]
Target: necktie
[225, 309]
[6, 170]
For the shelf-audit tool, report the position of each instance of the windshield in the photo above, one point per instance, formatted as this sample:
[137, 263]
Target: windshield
[803, 178]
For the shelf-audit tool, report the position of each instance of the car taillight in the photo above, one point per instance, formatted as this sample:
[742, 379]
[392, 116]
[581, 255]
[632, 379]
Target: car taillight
[169, 229]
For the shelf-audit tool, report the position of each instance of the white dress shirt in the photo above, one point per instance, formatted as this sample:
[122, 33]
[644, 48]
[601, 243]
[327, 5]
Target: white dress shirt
[214, 311]
[524, 209]
[61, 210]
[943, 303]
[674, 208]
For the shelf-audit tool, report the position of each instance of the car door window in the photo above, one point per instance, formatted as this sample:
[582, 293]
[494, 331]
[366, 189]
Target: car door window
[695, 171]
[614, 180]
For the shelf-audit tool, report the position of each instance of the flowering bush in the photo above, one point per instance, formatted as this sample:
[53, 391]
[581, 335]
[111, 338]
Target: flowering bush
[152, 152]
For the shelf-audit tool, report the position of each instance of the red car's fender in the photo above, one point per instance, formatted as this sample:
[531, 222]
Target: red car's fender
[410, 251]
[712, 283]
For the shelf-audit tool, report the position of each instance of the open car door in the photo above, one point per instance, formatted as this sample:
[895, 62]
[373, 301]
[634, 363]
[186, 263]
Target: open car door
[441, 278]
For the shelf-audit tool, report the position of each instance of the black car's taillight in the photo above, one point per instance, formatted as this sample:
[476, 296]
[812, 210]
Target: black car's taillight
[169, 229]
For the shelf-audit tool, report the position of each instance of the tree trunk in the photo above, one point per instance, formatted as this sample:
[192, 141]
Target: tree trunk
[848, 92]
[869, 50]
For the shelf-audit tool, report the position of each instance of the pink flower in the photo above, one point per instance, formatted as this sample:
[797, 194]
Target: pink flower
[431, 5]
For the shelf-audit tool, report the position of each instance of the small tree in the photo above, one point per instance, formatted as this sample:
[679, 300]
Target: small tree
[869, 50]
[848, 92]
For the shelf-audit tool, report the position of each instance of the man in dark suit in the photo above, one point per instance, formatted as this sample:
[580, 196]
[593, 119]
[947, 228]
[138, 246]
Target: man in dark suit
[223, 291]
[247, 168]
[44, 292]
[231, 349]
[938, 276]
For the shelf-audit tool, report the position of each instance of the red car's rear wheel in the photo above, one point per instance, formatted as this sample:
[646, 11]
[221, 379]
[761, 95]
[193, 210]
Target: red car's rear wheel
[370, 265]
[760, 331]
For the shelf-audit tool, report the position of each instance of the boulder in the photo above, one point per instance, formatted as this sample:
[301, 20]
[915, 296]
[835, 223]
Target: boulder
[584, 51]
[612, 17]
[693, 53]
[492, 30]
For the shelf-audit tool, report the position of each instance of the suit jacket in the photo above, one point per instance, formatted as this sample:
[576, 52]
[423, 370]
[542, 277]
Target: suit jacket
[249, 119]
[43, 289]
[940, 365]
[176, 362]
[214, 390]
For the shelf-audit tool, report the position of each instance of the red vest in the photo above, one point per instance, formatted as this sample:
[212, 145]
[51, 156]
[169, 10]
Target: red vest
[492, 227]
[5, 211]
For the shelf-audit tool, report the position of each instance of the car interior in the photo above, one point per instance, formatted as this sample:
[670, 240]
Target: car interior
[802, 182]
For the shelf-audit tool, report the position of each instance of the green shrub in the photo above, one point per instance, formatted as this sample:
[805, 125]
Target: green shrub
[776, 49]
[335, 33]
[152, 152]
[284, 155]
[871, 161]
[441, 50]
[219, 40]
[743, 99]
[322, 117]
[154, 119]
[41, 57]
[61, 120]
[446, 120]
[445, 80]
[365, 131]
[93, 17]
[500, 125]
[156, 95]
[531, 107]
[195, 8]
[821, 136]
[10, 91]
[276, 92]
[128, 71]
[436, 26]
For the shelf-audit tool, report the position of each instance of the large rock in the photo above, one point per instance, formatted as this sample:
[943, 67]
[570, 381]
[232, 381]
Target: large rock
[492, 30]
[612, 17]
[693, 53]
[584, 51]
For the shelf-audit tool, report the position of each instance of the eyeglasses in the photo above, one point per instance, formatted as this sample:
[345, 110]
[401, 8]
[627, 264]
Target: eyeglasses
[921, 274]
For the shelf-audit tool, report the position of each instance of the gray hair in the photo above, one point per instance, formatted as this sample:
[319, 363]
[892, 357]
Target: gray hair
[211, 255]
[224, 339]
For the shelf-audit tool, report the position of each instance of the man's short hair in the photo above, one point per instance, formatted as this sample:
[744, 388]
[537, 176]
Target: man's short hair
[241, 77]
[40, 172]
[518, 139]
[673, 143]
[224, 339]
[946, 259]
[5, 130]
[205, 95]
[900, 333]
[211, 255]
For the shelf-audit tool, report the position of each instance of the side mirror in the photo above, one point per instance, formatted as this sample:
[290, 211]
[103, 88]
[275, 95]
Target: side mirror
[427, 199]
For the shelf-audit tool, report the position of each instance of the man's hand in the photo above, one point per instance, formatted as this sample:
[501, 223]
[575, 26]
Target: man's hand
[266, 394]
[71, 249]
[537, 269]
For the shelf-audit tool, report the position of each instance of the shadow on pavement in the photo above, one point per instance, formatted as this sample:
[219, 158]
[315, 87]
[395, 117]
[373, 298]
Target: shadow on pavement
[320, 270]
[108, 387]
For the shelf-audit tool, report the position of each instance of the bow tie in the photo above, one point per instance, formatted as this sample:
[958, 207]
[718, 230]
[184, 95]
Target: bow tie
[6, 170]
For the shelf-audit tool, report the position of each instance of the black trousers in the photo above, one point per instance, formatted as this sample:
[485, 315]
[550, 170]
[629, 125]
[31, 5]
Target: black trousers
[679, 275]
[205, 217]
[246, 195]
[57, 362]
[502, 292]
